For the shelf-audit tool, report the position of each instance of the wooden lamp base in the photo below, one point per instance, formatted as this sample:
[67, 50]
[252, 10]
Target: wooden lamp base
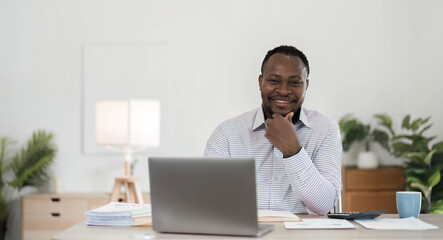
[132, 189]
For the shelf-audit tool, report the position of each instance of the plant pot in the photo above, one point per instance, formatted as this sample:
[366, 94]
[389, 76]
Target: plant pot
[367, 160]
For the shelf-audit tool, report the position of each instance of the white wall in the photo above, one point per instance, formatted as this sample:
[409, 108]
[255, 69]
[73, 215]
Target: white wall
[366, 57]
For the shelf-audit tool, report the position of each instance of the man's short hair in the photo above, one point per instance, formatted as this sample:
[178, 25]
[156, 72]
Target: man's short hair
[288, 50]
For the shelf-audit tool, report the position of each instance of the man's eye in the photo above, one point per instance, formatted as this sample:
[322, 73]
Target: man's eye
[272, 81]
[296, 83]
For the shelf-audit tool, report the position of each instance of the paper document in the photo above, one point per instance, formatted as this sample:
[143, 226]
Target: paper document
[276, 216]
[120, 209]
[120, 214]
[396, 223]
[308, 223]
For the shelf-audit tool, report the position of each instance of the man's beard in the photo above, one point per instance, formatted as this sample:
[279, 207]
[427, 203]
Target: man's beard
[268, 109]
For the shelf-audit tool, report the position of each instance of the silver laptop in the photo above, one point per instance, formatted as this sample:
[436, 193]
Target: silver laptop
[205, 196]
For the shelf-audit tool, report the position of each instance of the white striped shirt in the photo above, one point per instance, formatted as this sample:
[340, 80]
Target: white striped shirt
[308, 182]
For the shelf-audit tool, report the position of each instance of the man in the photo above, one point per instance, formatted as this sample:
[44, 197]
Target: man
[297, 150]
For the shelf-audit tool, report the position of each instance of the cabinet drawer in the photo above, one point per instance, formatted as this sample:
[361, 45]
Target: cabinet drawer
[45, 215]
[48, 205]
[368, 201]
[387, 179]
[52, 220]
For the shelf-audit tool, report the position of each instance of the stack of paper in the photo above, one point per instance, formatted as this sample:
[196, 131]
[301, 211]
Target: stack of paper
[120, 214]
[277, 216]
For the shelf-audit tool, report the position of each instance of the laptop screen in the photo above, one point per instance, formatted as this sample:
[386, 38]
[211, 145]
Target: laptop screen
[203, 195]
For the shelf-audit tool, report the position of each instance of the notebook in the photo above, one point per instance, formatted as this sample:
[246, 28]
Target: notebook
[205, 196]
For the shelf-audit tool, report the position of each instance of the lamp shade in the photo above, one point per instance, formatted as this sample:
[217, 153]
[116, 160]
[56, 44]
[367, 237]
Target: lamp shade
[127, 122]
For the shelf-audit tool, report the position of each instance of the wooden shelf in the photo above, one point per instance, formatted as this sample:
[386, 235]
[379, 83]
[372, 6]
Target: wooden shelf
[371, 189]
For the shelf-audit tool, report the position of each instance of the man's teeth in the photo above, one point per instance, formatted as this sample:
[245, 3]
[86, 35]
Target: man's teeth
[282, 101]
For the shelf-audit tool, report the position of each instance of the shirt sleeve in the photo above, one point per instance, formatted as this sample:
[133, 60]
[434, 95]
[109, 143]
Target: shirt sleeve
[217, 144]
[317, 181]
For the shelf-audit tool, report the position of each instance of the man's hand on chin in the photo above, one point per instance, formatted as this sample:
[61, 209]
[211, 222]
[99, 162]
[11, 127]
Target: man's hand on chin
[281, 133]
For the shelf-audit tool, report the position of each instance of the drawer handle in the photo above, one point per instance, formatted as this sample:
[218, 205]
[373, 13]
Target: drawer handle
[55, 214]
[55, 199]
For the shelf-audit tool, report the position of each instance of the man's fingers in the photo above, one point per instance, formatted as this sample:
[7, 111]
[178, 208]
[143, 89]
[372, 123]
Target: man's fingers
[276, 115]
[289, 116]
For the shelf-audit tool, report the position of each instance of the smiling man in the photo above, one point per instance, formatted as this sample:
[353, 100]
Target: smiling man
[297, 151]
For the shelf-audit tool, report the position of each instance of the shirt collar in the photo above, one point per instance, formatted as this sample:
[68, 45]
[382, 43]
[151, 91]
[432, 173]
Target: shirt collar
[304, 118]
[260, 119]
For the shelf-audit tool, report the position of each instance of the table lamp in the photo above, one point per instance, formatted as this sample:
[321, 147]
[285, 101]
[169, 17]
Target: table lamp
[127, 126]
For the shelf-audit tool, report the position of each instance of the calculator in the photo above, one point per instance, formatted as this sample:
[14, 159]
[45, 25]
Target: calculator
[357, 215]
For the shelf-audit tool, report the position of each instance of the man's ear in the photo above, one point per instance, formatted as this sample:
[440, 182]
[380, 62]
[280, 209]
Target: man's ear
[260, 80]
[307, 84]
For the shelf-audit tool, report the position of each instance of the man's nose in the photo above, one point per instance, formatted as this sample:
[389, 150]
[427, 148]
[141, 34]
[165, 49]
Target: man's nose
[283, 89]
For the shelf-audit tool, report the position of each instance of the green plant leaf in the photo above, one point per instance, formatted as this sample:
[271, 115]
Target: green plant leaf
[407, 136]
[437, 207]
[416, 163]
[434, 179]
[437, 167]
[438, 146]
[416, 124]
[31, 165]
[345, 123]
[7, 149]
[386, 121]
[425, 120]
[420, 144]
[4, 213]
[405, 123]
[352, 131]
[424, 129]
[382, 138]
[400, 148]
[428, 157]
[411, 170]
[437, 158]
[424, 189]
[416, 155]
[346, 146]
[413, 179]
[437, 195]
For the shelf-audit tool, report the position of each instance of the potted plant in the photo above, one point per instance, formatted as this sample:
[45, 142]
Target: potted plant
[354, 130]
[28, 167]
[424, 162]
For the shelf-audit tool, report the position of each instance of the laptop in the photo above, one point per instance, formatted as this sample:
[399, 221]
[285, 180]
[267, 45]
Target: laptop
[204, 196]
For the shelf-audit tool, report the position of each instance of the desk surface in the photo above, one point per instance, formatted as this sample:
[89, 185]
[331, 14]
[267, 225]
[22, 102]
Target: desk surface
[83, 232]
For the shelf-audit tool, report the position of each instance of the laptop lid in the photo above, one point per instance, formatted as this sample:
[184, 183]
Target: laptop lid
[204, 196]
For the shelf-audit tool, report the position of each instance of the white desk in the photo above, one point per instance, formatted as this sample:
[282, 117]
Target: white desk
[83, 232]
